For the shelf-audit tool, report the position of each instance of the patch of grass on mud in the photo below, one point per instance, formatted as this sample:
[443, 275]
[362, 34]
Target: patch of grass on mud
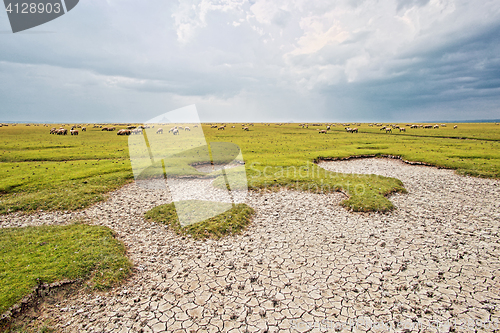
[230, 222]
[30, 256]
[367, 193]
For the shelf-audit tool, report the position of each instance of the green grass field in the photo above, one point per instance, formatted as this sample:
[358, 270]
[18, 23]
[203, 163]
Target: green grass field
[50, 172]
[33, 255]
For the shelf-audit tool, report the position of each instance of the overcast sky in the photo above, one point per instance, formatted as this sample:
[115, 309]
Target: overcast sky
[263, 60]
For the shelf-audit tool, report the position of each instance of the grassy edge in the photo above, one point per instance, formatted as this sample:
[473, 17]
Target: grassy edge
[230, 222]
[460, 171]
[77, 201]
[103, 274]
[366, 193]
[354, 202]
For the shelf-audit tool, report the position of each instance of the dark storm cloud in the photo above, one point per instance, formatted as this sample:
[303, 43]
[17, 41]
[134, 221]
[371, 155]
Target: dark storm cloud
[257, 61]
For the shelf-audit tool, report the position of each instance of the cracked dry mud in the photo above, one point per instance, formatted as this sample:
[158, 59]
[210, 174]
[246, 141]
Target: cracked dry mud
[305, 263]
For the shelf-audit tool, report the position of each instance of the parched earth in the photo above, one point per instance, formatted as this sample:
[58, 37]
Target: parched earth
[305, 263]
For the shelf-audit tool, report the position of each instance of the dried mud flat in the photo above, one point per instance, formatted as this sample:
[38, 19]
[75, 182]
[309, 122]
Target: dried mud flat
[305, 263]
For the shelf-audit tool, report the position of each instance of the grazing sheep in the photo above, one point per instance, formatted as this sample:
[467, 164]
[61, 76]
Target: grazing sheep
[159, 131]
[233, 126]
[402, 129]
[443, 125]
[455, 127]
[382, 128]
[436, 126]
[354, 130]
[327, 128]
[427, 126]
[124, 132]
[245, 128]
[348, 129]
[137, 131]
[220, 128]
[213, 126]
[84, 129]
[414, 126]
[62, 131]
[53, 130]
[322, 131]
[195, 126]
[175, 131]
[74, 132]
[388, 129]
[187, 129]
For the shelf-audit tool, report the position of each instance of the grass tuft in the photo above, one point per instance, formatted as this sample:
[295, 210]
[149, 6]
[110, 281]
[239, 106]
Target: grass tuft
[230, 222]
[367, 193]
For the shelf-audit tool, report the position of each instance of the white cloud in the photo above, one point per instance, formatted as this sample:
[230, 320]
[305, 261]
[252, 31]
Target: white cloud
[368, 40]
[191, 15]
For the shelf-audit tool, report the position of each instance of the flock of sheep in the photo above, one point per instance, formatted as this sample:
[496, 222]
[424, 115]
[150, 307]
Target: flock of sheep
[223, 126]
[174, 130]
[64, 131]
[386, 128]
[125, 131]
[130, 129]
[389, 128]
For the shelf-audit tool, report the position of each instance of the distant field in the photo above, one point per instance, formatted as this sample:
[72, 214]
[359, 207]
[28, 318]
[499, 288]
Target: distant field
[51, 172]
[43, 171]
